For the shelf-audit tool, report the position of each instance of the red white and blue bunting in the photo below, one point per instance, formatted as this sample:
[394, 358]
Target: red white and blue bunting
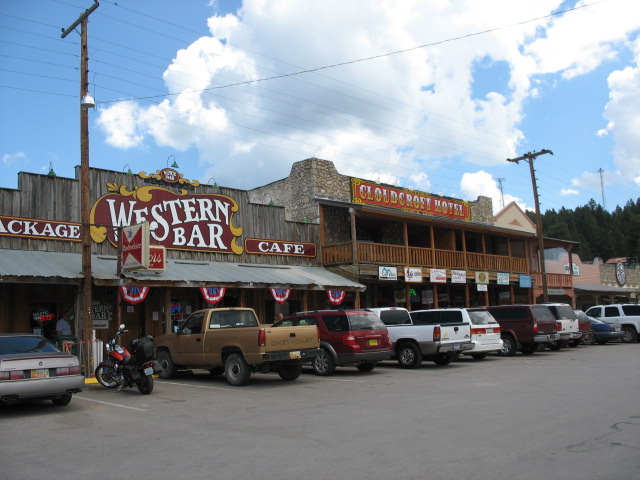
[134, 294]
[213, 294]
[280, 294]
[336, 296]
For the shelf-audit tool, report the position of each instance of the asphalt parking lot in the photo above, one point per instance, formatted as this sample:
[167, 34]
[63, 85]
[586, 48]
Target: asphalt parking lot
[571, 414]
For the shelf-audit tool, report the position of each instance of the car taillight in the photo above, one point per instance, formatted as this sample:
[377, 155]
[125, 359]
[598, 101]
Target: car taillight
[262, 338]
[14, 375]
[4, 375]
[535, 327]
[559, 326]
[349, 340]
[61, 371]
[478, 331]
[436, 333]
[496, 329]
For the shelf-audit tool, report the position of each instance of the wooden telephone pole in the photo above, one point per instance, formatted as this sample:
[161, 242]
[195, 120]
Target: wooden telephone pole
[85, 187]
[530, 157]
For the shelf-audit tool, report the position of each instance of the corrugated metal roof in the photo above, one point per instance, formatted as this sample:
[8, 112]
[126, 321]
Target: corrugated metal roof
[28, 264]
[23, 265]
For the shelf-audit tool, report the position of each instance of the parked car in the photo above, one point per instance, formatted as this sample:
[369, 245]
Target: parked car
[588, 338]
[31, 368]
[525, 327]
[568, 326]
[347, 337]
[627, 314]
[485, 330]
[604, 332]
[424, 335]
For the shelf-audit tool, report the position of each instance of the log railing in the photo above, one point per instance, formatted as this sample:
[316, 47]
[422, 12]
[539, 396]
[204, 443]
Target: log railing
[383, 254]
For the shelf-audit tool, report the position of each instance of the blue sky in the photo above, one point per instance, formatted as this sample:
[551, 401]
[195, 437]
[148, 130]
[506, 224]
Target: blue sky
[475, 83]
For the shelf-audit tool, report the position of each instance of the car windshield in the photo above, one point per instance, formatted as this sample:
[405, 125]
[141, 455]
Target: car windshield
[362, 321]
[26, 344]
[481, 317]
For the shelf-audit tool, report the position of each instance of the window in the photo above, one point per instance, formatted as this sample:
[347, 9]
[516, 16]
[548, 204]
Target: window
[365, 322]
[450, 316]
[631, 309]
[481, 317]
[336, 323]
[611, 312]
[426, 318]
[193, 324]
[9, 345]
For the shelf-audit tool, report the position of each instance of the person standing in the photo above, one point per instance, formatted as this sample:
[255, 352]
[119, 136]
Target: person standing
[63, 326]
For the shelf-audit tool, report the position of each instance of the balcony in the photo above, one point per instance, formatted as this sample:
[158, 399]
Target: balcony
[554, 280]
[382, 254]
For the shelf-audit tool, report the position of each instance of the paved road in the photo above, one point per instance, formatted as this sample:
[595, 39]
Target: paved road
[571, 414]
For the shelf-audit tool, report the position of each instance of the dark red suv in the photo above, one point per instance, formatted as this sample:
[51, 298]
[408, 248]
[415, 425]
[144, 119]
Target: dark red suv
[347, 337]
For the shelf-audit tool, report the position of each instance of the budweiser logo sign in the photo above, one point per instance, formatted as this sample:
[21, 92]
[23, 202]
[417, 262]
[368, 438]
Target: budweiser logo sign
[202, 222]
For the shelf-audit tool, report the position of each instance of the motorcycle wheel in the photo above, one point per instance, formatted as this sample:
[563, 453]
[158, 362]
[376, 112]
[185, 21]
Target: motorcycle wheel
[106, 375]
[145, 384]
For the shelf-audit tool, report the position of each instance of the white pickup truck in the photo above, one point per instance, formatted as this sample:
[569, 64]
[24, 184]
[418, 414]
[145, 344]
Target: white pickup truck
[627, 314]
[415, 337]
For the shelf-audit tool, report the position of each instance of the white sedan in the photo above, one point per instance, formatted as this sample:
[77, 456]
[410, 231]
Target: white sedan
[31, 368]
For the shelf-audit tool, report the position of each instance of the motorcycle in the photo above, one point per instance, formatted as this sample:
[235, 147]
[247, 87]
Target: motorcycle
[123, 369]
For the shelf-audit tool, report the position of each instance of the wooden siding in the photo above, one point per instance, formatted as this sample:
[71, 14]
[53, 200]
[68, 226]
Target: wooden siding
[58, 198]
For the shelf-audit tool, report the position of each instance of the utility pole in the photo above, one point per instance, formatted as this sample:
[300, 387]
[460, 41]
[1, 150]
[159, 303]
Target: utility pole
[500, 180]
[530, 157]
[85, 188]
[602, 187]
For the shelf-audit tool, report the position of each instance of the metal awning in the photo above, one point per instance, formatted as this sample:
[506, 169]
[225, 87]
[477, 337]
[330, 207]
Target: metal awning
[28, 266]
[597, 288]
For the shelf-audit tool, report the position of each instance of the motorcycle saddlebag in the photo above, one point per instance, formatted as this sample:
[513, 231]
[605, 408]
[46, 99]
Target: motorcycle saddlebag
[144, 348]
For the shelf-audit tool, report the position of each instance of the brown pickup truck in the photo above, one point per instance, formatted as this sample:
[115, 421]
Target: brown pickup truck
[232, 341]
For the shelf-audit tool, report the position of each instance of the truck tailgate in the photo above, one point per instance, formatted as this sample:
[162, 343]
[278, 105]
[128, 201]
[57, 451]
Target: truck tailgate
[291, 338]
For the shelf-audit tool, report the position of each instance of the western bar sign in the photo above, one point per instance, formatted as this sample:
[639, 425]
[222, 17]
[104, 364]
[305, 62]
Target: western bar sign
[200, 222]
[406, 200]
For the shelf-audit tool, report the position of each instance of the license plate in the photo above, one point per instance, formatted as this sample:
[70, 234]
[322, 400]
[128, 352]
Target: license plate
[489, 330]
[294, 355]
[456, 347]
[148, 371]
[373, 342]
[40, 373]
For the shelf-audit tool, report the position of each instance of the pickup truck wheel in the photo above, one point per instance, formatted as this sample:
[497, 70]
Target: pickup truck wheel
[588, 339]
[630, 335]
[509, 346]
[529, 349]
[323, 364]
[215, 371]
[169, 369]
[441, 359]
[366, 367]
[290, 372]
[479, 356]
[409, 355]
[236, 370]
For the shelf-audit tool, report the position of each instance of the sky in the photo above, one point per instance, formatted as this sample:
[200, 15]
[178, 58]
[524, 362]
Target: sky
[432, 95]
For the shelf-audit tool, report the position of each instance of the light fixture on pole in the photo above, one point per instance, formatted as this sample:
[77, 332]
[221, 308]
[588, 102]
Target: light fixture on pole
[174, 164]
[51, 173]
[87, 101]
[128, 172]
[214, 184]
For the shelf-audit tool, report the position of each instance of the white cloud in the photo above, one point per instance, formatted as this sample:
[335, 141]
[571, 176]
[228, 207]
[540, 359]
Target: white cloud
[482, 183]
[13, 158]
[569, 191]
[403, 114]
